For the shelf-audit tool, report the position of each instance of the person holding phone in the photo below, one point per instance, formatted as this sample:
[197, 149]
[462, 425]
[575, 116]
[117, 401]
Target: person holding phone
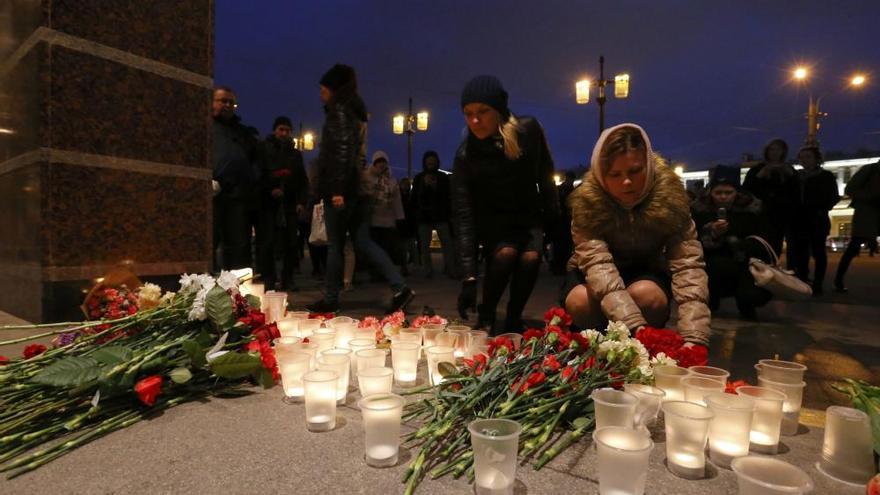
[726, 216]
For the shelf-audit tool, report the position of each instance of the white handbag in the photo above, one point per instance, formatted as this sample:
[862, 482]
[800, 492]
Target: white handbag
[783, 284]
[318, 236]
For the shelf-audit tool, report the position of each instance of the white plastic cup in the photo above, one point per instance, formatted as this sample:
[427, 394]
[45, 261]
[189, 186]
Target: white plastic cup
[445, 338]
[622, 460]
[293, 365]
[766, 476]
[791, 407]
[339, 364]
[477, 339]
[668, 379]
[650, 399]
[284, 344]
[308, 326]
[375, 381]
[276, 305]
[381, 414]
[614, 407]
[847, 451]
[462, 336]
[767, 420]
[436, 355]
[311, 349]
[359, 345]
[687, 428]
[711, 372]
[370, 358]
[288, 326]
[495, 444]
[731, 426]
[781, 371]
[405, 361]
[324, 340]
[696, 387]
[430, 331]
[515, 338]
[320, 398]
[345, 333]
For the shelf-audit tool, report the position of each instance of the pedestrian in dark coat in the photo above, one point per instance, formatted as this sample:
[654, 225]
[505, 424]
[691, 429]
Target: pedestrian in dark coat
[431, 201]
[812, 224]
[503, 199]
[864, 190]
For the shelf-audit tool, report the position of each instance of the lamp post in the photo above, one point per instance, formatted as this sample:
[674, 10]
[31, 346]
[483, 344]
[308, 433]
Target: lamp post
[408, 124]
[582, 90]
[801, 74]
[305, 141]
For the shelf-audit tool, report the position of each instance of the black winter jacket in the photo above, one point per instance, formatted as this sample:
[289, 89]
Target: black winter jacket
[496, 198]
[235, 157]
[343, 147]
[431, 197]
[282, 168]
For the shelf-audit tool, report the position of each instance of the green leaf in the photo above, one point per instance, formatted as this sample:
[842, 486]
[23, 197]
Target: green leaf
[446, 369]
[69, 372]
[264, 377]
[180, 375]
[581, 422]
[253, 301]
[218, 307]
[234, 365]
[195, 352]
[112, 355]
[155, 365]
[205, 339]
[115, 385]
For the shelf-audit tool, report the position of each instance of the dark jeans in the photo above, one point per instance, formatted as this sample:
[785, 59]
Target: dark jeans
[232, 233]
[354, 219]
[852, 250]
[811, 245]
[279, 240]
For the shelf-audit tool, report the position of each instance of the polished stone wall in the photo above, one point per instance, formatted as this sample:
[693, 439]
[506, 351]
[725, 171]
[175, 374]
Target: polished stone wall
[104, 146]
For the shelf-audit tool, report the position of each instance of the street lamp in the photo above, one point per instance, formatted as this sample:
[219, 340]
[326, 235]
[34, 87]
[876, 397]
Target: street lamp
[305, 141]
[408, 124]
[582, 90]
[801, 74]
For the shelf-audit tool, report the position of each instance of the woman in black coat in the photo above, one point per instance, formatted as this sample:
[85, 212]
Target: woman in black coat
[503, 199]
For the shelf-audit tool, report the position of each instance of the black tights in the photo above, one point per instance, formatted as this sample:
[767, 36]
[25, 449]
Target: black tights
[520, 268]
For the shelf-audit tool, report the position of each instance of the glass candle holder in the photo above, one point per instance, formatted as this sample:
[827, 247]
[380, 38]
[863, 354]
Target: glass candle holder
[687, 427]
[276, 305]
[293, 365]
[622, 460]
[359, 345]
[320, 388]
[309, 348]
[288, 327]
[730, 427]
[381, 414]
[370, 358]
[791, 407]
[412, 335]
[614, 407]
[430, 332]
[477, 339]
[668, 379]
[308, 327]
[375, 381]
[710, 372]
[767, 419]
[339, 364]
[405, 361]
[515, 338]
[283, 344]
[847, 452]
[436, 355]
[695, 388]
[766, 476]
[495, 444]
[345, 333]
[648, 408]
[781, 371]
[324, 340]
[461, 332]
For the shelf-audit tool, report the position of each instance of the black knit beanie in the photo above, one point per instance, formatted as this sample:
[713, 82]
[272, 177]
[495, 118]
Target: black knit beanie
[488, 90]
[725, 175]
[340, 76]
[282, 120]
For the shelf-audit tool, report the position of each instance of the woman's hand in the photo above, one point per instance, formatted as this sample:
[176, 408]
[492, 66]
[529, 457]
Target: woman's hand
[719, 227]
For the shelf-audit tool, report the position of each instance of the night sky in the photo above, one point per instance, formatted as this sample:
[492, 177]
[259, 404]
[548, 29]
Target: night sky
[710, 80]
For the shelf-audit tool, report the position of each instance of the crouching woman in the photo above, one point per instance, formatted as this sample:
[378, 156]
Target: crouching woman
[636, 249]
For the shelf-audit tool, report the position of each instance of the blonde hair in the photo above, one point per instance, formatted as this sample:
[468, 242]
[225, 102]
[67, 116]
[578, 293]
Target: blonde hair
[622, 140]
[510, 135]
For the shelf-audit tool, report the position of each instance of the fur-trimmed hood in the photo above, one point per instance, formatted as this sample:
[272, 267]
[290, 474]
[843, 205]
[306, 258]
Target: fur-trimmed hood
[664, 212]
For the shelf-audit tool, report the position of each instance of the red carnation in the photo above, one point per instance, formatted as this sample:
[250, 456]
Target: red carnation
[281, 172]
[695, 355]
[583, 343]
[533, 333]
[550, 363]
[254, 319]
[3, 360]
[730, 387]
[533, 380]
[267, 356]
[569, 374]
[267, 333]
[147, 389]
[34, 350]
[561, 317]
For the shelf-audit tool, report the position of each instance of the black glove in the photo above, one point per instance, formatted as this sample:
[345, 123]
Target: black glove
[467, 298]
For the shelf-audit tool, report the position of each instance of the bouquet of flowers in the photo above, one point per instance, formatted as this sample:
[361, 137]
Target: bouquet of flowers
[146, 353]
[544, 384]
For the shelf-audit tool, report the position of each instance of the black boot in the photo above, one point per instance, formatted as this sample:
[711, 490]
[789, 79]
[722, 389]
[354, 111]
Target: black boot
[485, 319]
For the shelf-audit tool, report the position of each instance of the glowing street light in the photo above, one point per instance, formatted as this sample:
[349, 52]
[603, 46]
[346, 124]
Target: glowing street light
[800, 73]
[422, 121]
[582, 90]
[408, 124]
[857, 80]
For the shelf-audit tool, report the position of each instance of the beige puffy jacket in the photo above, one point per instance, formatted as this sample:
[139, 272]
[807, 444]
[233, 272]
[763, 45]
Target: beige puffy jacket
[657, 235]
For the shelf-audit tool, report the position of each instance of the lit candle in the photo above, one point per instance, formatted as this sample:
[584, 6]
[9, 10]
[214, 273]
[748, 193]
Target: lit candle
[324, 341]
[381, 415]
[370, 358]
[276, 305]
[791, 407]
[430, 332]
[696, 387]
[320, 398]
[477, 339]
[767, 419]
[494, 442]
[668, 379]
[614, 407]
[293, 365]
[622, 460]
[288, 327]
[730, 429]
[359, 345]
[436, 355]
[781, 371]
[373, 381]
[650, 399]
[687, 427]
[308, 326]
[461, 333]
[405, 360]
[337, 361]
[711, 372]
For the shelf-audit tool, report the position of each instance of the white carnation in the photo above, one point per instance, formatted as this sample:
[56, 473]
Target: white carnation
[197, 311]
[595, 337]
[661, 359]
[167, 298]
[617, 330]
[228, 281]
[149, 296]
